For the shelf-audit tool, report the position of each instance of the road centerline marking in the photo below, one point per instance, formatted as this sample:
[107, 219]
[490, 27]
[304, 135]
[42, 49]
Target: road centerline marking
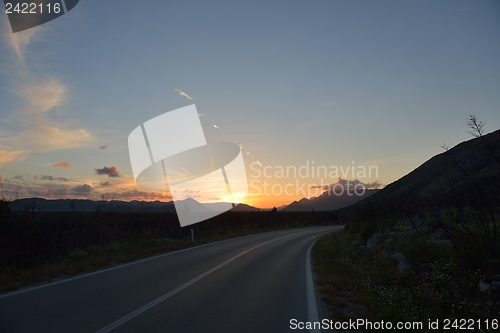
[171, 293]
[104, 270]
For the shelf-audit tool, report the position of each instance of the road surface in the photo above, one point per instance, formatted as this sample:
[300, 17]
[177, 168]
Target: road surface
[256, 283]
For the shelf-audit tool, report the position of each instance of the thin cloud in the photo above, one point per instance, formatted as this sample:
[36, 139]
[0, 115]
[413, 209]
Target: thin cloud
[182, 93]
[312, 122]
[63, 164]
[83, 190]
[40, 133]
[185, 196]
[52, 178]
[48, 192]
[135, 194]
[105, 183]
[20, 40]
[42, 95]
[7, 157]
[111, 171]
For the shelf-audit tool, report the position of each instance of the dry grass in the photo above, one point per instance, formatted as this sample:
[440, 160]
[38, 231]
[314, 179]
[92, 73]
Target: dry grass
[100, 257]
[360, 282]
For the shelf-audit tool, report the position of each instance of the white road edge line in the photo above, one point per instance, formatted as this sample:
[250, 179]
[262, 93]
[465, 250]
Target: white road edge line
[160, 299]
[312, 307]
[50, 284]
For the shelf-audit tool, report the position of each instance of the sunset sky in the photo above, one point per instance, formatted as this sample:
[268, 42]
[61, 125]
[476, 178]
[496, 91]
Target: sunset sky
[339, 84]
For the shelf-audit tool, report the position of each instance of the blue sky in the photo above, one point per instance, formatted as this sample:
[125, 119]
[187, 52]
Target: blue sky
[376, 82]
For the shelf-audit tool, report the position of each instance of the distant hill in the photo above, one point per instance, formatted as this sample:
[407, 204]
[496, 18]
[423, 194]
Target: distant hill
[221, 206]
[244, 208]
[327, 201]
[468, 170]
[89, 205]
[116, 205]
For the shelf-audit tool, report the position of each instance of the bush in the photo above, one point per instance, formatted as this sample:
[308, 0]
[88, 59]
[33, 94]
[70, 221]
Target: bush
[4, 211]
[367, 230]
[390, 314]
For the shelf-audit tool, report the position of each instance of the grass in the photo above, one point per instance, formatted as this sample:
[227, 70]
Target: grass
[364, 282]
[99, 257]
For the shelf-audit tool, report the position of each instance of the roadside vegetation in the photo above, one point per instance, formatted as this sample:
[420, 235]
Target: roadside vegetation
[413, 258]
[37, 246]
[402, 273]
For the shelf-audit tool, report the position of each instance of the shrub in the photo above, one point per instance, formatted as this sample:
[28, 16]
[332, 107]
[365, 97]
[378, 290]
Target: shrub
[367, 230]
[390, 314]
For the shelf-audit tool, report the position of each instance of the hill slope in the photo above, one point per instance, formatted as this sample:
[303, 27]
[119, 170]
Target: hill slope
[469, 170]
[327, 201]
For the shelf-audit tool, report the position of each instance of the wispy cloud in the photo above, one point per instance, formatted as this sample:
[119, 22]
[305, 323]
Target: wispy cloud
[9, 156]
[20, 40]
[135, 194]
[48, 192]
[182, 93]
[52, 187]
[42, 95]
[39, 134]
[312, 122]
[63, 164]
[51, 178]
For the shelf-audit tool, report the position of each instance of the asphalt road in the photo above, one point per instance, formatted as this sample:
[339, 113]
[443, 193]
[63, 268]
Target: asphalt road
[256, 283]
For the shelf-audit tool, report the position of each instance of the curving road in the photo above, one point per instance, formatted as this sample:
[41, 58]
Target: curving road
[256, 283]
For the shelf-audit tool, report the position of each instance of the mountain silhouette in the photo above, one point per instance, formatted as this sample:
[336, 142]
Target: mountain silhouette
[85, 205]
[327, 201]
[469, 170]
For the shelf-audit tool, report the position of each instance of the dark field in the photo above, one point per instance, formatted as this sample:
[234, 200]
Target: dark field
[38, 245]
